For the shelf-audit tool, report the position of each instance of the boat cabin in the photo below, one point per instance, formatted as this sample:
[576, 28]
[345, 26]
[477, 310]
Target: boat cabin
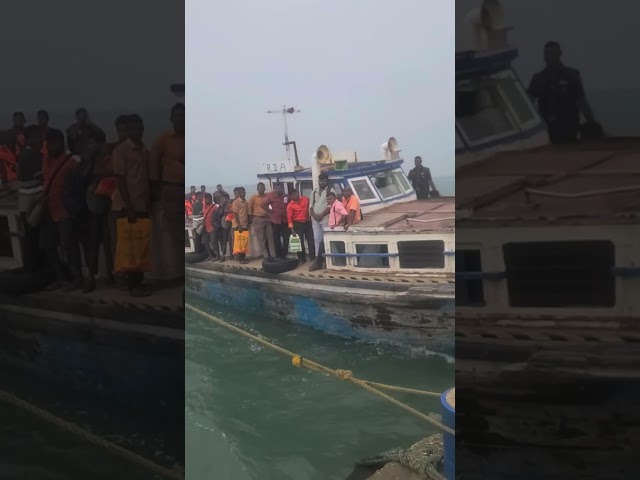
[550, 233]
[377, 184]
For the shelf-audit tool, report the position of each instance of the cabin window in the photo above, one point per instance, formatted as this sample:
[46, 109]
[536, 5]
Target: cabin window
[305, 188]
[387, 184]
[363, 190]
[560, 274]
[421, 254]
[481, 112]
[518, 101]
[338, 247]
[469, 292]
[6, 249]
[337, 188]
[369, 256]
[402, 179]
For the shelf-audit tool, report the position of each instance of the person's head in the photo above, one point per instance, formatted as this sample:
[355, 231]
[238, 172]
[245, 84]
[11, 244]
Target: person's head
[19, 120]
[418, 161]
[219, 188]
[33, 137]
[82, 116]
[242, 193]
[136, 127]
[95, 143]
[177, 117]
[121, 127]
[43, 118]
[193, 190]
[261, 188]
[295, 196]
[552, 54]
[347, 192]
[208, 198]
[323, 180]
[203, 188]
[278, 188]
[331, 198]
[55, 142]
[236, 192]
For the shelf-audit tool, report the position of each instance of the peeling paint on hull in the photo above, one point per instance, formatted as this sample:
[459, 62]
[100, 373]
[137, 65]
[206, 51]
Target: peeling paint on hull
[388, 317]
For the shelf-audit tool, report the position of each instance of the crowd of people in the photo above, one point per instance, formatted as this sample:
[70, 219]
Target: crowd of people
[74, 187]
[273, 218]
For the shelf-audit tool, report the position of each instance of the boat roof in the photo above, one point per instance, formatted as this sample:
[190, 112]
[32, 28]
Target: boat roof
[471, 63]
[354, 169]
[591, 183]
[419, 216]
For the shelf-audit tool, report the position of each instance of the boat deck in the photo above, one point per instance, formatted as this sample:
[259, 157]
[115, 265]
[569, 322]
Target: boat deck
[434, 215]
[581, 184]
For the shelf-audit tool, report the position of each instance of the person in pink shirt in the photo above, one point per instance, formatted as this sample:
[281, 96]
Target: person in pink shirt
[337, 216]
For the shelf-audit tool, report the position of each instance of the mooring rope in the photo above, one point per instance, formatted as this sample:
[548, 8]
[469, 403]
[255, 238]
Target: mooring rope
[90, 437]
[346, 375]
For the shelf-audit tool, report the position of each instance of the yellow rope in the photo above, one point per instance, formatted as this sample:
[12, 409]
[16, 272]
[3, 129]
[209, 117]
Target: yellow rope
[345, 375]
[91, 438]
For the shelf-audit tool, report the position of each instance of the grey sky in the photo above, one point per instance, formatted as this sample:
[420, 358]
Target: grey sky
[597, 37]
[112, 55]
[359, 71]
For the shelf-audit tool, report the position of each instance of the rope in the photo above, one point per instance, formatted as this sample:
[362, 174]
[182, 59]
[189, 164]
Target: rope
[90, 438]
[345, 375]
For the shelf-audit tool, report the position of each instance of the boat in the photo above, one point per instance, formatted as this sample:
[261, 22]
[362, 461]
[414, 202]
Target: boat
[79, 343]
[547, 322]
[388, 279]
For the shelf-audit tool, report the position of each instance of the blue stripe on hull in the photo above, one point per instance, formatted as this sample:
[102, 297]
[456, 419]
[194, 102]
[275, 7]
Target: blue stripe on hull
[370, 323]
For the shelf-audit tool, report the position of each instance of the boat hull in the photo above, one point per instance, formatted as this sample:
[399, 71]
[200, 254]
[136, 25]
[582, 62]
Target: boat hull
[346, 308]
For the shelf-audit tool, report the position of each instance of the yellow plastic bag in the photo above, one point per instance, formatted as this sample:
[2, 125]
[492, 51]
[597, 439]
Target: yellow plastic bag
[133, 247]
[240, 242]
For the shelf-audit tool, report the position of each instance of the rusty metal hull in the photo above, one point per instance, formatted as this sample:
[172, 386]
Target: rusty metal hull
[351, 309]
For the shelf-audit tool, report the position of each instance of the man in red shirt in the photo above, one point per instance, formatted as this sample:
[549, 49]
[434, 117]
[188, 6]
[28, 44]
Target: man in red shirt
[207, 221]
[299, 220]
[60, 228]
[276, 203]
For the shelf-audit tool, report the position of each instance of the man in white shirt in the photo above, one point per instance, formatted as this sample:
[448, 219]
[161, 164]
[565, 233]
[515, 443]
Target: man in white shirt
[319, 209]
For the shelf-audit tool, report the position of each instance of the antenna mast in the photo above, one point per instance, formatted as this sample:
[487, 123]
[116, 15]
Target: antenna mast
[284, 112]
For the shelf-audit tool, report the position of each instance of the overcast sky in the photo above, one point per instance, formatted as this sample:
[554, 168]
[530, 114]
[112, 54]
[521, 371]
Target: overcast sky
[598, 37]
[117, 55]
[360, 71]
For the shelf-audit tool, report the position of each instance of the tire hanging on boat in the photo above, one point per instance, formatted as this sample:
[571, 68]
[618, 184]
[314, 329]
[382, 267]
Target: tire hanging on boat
[279, 266]
[195, 257]
[21, 282]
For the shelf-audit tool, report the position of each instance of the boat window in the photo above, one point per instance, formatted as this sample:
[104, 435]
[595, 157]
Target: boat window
[372, 256]
[421, 254]
[363, 190]
[338, 247]
[6, 250]
[402, 180]
[560, 274]
[481, 112]
[387, 184]
[305, 188]
[469, 292]
[517, 98]
[337, 188]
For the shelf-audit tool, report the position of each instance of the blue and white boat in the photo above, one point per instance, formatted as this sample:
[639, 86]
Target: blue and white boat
[388, 278]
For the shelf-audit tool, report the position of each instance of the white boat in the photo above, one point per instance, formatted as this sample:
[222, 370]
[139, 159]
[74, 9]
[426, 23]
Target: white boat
[388, 278]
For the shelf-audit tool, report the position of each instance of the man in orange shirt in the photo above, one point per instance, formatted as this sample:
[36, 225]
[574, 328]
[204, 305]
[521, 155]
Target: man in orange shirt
[352, 205]
[60, 228]
[300, 224]
[259, 218]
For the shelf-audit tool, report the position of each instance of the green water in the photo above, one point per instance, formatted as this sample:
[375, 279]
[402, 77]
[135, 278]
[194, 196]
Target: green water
[252, 415]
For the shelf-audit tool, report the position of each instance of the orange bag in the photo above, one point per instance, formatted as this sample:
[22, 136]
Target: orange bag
[240, 242]
[133, 247]
[107, 186]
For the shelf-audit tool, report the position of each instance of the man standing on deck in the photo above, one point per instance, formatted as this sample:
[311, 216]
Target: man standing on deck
[259, 218]
[337, 216]
[166, 171]
[218, 194]
[298, 214]
[240, 225]
[30, 189]
[276, 203]
[131, 200]
[319, 211]
[421, 181]
[43, 123]
[352, 205]
[560, 97]
[78, 132]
